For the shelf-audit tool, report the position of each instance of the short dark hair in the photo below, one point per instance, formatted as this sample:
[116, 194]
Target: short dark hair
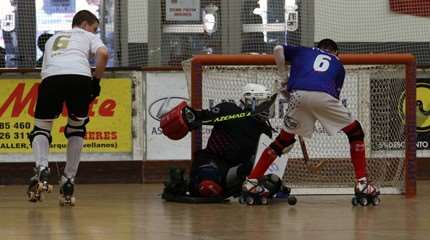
[328, 44]
[82, 16]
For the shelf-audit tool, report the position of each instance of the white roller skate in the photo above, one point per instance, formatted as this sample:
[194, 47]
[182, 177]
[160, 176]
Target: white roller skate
[365, 193]
[66, 197]
[254, 193]
[39, 184]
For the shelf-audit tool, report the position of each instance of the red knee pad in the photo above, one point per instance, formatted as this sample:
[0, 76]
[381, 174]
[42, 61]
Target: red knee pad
[209, 188]
[173, 123]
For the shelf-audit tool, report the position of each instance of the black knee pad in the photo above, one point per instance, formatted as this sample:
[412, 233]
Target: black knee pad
[238, 173]
[79, 131]
[356, 133]
[39, 131]
[235, 176]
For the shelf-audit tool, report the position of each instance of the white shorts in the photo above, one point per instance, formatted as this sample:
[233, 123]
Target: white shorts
[305, 107]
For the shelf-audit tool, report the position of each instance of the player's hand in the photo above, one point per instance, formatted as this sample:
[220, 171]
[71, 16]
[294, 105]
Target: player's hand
[95, 88]
[283, 90]
[190, 117]
[282, 75]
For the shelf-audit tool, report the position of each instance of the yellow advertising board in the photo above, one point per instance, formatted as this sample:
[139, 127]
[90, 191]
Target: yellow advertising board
[109, 129]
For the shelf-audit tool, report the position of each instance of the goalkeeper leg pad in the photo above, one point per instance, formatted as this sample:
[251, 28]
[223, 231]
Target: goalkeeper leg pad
[209, 188]
[177, 186]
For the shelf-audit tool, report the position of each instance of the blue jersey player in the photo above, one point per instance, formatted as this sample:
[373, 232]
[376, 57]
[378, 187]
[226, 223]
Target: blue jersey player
[313, 89]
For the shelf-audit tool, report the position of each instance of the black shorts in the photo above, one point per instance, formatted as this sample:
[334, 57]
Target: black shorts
[54, 91]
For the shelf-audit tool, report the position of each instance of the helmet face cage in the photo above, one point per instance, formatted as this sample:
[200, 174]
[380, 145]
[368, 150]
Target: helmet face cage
[251, 101]
[254, 95]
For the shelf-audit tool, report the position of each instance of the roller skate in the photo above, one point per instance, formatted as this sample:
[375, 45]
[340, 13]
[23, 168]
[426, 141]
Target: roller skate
[66, 192]
[39, 184]
[278, 189]
[177, 183]
[365, 193]
[254, 193]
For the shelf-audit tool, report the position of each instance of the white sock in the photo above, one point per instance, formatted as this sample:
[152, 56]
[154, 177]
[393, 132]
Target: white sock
[74, 148]
[40, 146]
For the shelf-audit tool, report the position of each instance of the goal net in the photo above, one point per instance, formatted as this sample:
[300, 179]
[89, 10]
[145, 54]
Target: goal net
[378, 90]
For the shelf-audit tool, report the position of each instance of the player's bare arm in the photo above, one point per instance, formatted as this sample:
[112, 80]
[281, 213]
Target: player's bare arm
[101, 61]
[278, 53]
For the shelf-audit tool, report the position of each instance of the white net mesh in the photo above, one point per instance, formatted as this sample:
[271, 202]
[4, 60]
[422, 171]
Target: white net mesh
[371, 93]
[256, 26]
[160, 33]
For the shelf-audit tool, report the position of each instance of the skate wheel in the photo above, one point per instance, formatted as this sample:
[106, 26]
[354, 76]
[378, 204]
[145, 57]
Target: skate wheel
[292, 200]
[264, 201]
[364, 202]
[376, 201]
[40, 187]
[31, 196]
[72, 201]
[40, 197]
[61, 201]
[354, 201]
[250, 201]
[242, 200]
[67, 201]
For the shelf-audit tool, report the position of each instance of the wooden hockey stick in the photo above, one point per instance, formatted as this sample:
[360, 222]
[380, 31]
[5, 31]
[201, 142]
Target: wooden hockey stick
[312, 168]
[243, 114]
[280, 63]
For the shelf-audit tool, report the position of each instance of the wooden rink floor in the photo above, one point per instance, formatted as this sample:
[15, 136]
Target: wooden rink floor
[134, 211]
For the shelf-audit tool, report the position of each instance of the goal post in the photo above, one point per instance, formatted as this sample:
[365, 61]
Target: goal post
[379, 90]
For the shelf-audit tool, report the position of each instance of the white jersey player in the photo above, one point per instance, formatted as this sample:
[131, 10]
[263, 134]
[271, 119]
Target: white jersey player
[66, 78]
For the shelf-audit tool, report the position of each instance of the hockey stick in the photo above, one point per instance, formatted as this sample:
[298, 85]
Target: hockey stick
[312, 168]
[243, 114]
[191, 116]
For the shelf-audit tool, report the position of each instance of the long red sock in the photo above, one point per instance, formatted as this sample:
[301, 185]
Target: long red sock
[266, 158]
[276, 148]
[358, 158]
[357, 148]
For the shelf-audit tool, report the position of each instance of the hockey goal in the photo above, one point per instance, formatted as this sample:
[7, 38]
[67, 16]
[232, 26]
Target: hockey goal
[379, 90]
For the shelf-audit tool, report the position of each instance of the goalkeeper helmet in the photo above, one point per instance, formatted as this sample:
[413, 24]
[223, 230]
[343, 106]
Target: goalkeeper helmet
[253, 95]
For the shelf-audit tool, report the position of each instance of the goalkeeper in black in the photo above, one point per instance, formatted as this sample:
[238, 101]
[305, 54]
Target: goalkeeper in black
[218, 171]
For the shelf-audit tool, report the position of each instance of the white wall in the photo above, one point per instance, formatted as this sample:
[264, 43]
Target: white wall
[164, 90]
[367, 21]
[137, 21]
[342, 20]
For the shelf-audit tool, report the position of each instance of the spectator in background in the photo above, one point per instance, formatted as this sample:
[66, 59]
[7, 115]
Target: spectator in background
[41, 40]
